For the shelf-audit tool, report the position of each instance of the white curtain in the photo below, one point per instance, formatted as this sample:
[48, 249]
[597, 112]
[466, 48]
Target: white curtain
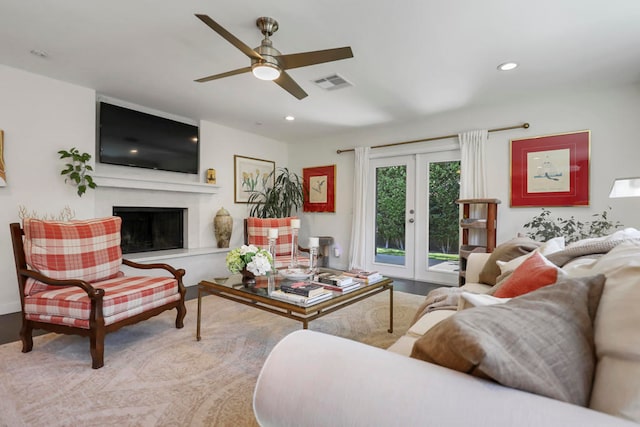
[473, 174]
[357, 251]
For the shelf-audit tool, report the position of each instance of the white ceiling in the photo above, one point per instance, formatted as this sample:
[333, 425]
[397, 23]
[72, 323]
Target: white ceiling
[412, 58]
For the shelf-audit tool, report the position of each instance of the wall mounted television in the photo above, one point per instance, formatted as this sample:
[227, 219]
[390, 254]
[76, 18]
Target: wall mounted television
[133, 138]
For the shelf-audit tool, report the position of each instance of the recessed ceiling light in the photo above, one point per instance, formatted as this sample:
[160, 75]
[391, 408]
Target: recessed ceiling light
[134, 151]
[507, 66]
[40, 53]
[289, 118]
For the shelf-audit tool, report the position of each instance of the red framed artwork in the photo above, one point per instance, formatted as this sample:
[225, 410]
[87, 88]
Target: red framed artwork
[551, 170]
[319, 189]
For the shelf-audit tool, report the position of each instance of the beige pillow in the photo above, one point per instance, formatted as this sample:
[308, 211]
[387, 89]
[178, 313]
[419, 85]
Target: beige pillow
[506, 252]
[616, 386]
[541, 342]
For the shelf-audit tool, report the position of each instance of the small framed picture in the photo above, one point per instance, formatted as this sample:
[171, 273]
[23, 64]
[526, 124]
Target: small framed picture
[251, 175]
[551, 170]
[319, 189]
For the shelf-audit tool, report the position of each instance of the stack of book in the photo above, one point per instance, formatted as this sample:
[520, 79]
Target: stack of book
[366, 277]
[302, 293]
[339, 284]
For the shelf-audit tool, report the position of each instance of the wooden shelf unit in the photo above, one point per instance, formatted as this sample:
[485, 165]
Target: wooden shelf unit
[489, 224]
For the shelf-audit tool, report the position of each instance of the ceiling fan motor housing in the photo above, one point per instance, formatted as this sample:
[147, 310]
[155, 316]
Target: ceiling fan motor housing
[269, 55]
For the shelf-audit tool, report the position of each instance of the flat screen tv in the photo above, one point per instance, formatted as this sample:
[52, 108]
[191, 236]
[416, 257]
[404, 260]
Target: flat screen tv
[133, 138]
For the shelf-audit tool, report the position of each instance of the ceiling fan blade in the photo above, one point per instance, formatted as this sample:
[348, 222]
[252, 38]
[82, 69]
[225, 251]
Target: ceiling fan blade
[287, 83]
[229, 37]
[227, 74]
[303, 59]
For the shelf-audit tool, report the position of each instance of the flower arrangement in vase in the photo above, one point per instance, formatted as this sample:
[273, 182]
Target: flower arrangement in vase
[249, 260]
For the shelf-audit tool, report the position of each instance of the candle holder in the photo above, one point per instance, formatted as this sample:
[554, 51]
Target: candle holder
[294, 248]
[272, 251]
[313, 260]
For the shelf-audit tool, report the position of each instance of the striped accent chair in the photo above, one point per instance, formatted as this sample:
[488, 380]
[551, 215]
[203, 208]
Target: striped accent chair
[70, 282]
[256, 232]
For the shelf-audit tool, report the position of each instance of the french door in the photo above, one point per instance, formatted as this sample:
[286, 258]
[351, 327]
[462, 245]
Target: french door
[413, 218]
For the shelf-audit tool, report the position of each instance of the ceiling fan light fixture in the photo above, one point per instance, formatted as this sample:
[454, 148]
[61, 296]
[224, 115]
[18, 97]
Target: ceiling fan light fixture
[265, 71]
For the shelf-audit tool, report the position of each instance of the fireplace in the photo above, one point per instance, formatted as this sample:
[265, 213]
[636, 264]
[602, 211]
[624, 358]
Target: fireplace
[147, 229]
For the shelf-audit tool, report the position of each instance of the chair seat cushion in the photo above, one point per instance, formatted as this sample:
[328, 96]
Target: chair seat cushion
[124, 297]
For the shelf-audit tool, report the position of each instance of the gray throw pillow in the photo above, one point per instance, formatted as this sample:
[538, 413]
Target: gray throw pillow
[506, 251]
[540, 342]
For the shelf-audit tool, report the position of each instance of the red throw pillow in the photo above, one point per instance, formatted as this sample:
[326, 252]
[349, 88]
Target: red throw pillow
[532, 274]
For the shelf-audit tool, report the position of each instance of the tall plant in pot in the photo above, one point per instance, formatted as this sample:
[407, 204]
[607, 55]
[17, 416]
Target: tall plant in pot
[281, 200]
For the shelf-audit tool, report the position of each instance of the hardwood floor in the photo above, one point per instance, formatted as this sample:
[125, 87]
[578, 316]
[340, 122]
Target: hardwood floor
[10, 323]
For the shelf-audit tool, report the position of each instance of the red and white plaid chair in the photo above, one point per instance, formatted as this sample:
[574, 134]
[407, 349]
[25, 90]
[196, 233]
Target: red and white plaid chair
[256, 232]
[70, 282]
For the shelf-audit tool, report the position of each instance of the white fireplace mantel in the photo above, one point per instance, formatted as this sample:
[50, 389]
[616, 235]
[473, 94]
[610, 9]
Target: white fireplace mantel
[157, 185]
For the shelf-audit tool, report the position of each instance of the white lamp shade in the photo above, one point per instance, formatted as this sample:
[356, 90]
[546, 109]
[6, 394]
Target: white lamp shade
[625, 187]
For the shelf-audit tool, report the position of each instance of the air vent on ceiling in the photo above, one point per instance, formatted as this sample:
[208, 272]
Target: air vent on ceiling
[332, 82]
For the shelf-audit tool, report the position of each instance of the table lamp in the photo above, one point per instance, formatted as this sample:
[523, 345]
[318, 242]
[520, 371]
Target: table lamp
[625, 187]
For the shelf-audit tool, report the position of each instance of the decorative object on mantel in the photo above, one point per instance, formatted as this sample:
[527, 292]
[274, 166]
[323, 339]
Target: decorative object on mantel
[280, 200]
[320, 188]
[77, 171]
[250, 261]
[3, 173]
[223, 224]
[551, 170]
[211, 176]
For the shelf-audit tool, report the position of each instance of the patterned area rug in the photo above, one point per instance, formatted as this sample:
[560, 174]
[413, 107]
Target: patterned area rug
[156, 375]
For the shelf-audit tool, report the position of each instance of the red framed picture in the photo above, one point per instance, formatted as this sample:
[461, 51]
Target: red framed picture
[319, 189]
[551, 170]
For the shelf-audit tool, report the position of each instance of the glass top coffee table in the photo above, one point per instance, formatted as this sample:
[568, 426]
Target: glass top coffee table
[257, 296]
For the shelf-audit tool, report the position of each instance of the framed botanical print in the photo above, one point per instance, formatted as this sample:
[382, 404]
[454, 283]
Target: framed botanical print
[319, 189]
[251, 175]
[3, 173]
[551, 170]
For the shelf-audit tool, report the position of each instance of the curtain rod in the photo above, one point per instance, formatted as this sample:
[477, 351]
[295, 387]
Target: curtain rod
[522, 126]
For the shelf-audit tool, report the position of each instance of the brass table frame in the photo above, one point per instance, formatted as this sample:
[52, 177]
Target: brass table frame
[289, 310]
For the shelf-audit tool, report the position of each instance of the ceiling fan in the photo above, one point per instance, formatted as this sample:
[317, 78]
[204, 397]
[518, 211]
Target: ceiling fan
[267, 63]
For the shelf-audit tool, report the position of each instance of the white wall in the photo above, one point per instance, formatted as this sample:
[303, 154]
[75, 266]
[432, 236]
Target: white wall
[611, 115]
[40, 116]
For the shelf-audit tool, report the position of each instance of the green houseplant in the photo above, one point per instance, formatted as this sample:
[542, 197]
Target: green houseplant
[281, 200]
[77, 172]
[544, 227]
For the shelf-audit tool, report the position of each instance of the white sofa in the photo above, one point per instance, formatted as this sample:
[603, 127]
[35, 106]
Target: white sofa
[353, 384]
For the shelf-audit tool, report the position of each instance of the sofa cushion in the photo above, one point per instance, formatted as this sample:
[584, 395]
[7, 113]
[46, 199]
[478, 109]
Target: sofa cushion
[88, 250]
[541, 342]
[616, 387]
[124, 297]
[507, 251]
[535, 272]
[547, 248]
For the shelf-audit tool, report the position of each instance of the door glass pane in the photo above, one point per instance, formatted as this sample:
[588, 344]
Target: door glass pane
[444, 190]
[391, 195]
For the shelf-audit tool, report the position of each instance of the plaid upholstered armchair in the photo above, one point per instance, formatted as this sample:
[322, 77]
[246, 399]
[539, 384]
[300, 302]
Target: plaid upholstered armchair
[70, 282]
[256, 232]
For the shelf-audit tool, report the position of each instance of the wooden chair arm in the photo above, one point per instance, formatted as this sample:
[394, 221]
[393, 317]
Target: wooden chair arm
[92, 292]
[177, 273]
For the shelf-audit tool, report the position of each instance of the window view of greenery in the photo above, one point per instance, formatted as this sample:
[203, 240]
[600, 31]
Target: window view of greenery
[391, 185]
[444, 188]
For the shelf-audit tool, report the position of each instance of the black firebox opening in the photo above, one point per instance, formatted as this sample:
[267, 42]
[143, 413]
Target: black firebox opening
[150, 229]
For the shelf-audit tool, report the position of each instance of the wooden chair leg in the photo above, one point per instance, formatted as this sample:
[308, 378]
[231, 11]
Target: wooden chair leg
[26, 335]
[97, 348]
[182, 312]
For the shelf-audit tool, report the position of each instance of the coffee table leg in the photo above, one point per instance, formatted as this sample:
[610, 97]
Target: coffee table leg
[391, 309]
[199, 311]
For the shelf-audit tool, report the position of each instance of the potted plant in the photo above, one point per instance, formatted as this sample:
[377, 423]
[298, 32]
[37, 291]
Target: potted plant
[281, 200]
[77, 172]
[544, 227]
